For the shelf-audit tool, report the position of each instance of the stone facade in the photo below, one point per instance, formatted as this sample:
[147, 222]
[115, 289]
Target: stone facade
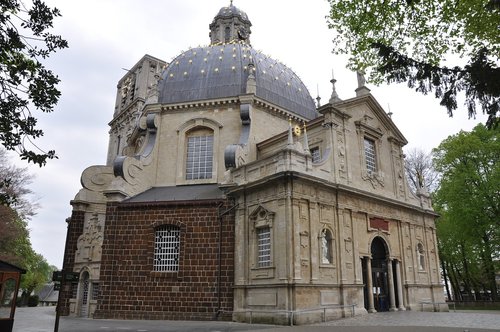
[228, 194]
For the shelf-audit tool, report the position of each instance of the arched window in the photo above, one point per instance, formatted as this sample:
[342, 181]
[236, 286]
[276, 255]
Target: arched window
[227, 34]
[167, 248]
[199, 154]
[326, 247]
[421, 257]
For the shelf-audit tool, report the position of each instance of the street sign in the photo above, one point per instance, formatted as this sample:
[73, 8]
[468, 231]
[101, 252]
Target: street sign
[57, 276]
[66, 276]
[57, 286]
[72, 276]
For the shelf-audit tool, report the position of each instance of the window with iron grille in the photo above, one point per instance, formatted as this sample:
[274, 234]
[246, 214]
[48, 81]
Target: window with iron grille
[370, 156]
[96, 291]
[263, 247]
[74, 290]
[316, 154]
[167, 247]
[199, 161]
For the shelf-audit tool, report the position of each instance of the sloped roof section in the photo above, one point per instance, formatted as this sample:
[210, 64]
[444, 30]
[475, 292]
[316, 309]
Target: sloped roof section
[179, 193]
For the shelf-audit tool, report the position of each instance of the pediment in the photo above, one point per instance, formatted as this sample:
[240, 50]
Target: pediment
[370, 117]
[261, 213]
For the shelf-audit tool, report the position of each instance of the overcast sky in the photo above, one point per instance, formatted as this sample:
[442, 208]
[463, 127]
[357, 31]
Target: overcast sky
[107, 36]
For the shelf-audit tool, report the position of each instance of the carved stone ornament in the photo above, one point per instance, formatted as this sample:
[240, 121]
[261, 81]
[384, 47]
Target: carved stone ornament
[374, 178]
[89, 245]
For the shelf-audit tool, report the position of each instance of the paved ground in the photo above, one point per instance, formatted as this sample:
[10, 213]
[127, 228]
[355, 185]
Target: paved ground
[41, 319]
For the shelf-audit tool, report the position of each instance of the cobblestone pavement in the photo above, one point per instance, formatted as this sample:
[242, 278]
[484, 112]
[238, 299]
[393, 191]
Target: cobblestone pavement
[41, 319]
[459, 319]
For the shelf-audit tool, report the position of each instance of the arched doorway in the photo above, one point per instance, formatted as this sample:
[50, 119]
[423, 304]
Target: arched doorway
[376, 277]
[380, 287]
[84, 294]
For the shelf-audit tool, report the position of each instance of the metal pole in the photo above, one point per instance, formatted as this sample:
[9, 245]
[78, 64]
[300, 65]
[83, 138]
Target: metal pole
[219, 249]
[56, 324]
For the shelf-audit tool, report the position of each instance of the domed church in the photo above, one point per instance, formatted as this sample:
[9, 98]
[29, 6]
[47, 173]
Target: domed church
[229, 194]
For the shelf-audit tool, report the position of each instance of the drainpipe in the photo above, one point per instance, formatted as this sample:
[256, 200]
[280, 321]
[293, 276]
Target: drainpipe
[219, 249]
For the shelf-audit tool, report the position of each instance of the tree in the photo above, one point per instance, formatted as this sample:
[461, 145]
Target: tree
[38, 273]
[15, 245]
[467, 199]
[13, 219]
[25, 83]
[17, 194]
[410, 41]
[420, 170]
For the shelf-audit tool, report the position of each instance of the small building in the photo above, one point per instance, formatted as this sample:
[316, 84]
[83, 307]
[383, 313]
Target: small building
[228, 193]
[10, 277]
[48, 295]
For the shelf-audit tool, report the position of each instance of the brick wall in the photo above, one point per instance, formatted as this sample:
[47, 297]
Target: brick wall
[132, 290]
[75, 229]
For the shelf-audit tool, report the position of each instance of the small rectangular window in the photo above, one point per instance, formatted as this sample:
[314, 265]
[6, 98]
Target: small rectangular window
[370, 156]
[167, 248]
[74, 290]
[96, 291]
[264, 247]
[316, 154]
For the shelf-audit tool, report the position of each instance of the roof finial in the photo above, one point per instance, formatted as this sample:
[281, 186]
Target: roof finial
[306, 141]
[318, 98]
[335, 96]
[290, 134]
[231, 3]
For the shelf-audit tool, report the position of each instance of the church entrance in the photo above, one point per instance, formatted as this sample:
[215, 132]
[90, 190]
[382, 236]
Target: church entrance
[376, 277]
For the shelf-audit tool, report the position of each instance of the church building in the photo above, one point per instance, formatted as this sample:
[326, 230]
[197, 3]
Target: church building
[227, 193]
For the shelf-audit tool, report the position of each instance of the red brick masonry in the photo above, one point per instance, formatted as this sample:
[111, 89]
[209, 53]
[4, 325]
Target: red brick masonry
[132, 290]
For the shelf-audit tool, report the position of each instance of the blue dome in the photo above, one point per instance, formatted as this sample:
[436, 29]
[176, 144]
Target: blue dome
[220, 71]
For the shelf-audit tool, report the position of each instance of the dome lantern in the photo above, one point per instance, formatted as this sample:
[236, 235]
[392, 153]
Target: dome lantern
[230, 25]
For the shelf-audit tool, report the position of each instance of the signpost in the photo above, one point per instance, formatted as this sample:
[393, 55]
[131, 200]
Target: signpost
[60, 278]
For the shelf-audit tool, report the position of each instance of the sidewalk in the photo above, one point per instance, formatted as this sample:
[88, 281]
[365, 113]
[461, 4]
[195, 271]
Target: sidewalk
[41, 319]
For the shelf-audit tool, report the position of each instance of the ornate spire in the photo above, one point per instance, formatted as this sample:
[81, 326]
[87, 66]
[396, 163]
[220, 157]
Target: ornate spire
[306, 141]
[290, 134]
[335, 96]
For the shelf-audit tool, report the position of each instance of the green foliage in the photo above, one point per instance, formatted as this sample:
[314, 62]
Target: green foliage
[467, 199]
[15, 245]
[25, 83]
[410, 40]
[38, 272]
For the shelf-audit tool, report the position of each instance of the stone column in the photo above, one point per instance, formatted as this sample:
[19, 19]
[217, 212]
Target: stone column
[369, 284]
[390, 276]
[400, 287]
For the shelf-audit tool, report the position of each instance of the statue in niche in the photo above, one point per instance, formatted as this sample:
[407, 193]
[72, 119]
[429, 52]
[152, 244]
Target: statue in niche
[326, 247]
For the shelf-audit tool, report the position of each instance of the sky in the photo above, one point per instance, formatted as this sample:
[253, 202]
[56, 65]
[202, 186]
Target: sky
[106, 37]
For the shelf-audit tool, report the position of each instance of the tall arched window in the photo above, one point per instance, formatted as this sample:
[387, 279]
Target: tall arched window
[199, 154]
[421, 257]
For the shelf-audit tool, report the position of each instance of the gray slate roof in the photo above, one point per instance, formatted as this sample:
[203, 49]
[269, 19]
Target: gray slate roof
[220, 71]
[179, 193]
